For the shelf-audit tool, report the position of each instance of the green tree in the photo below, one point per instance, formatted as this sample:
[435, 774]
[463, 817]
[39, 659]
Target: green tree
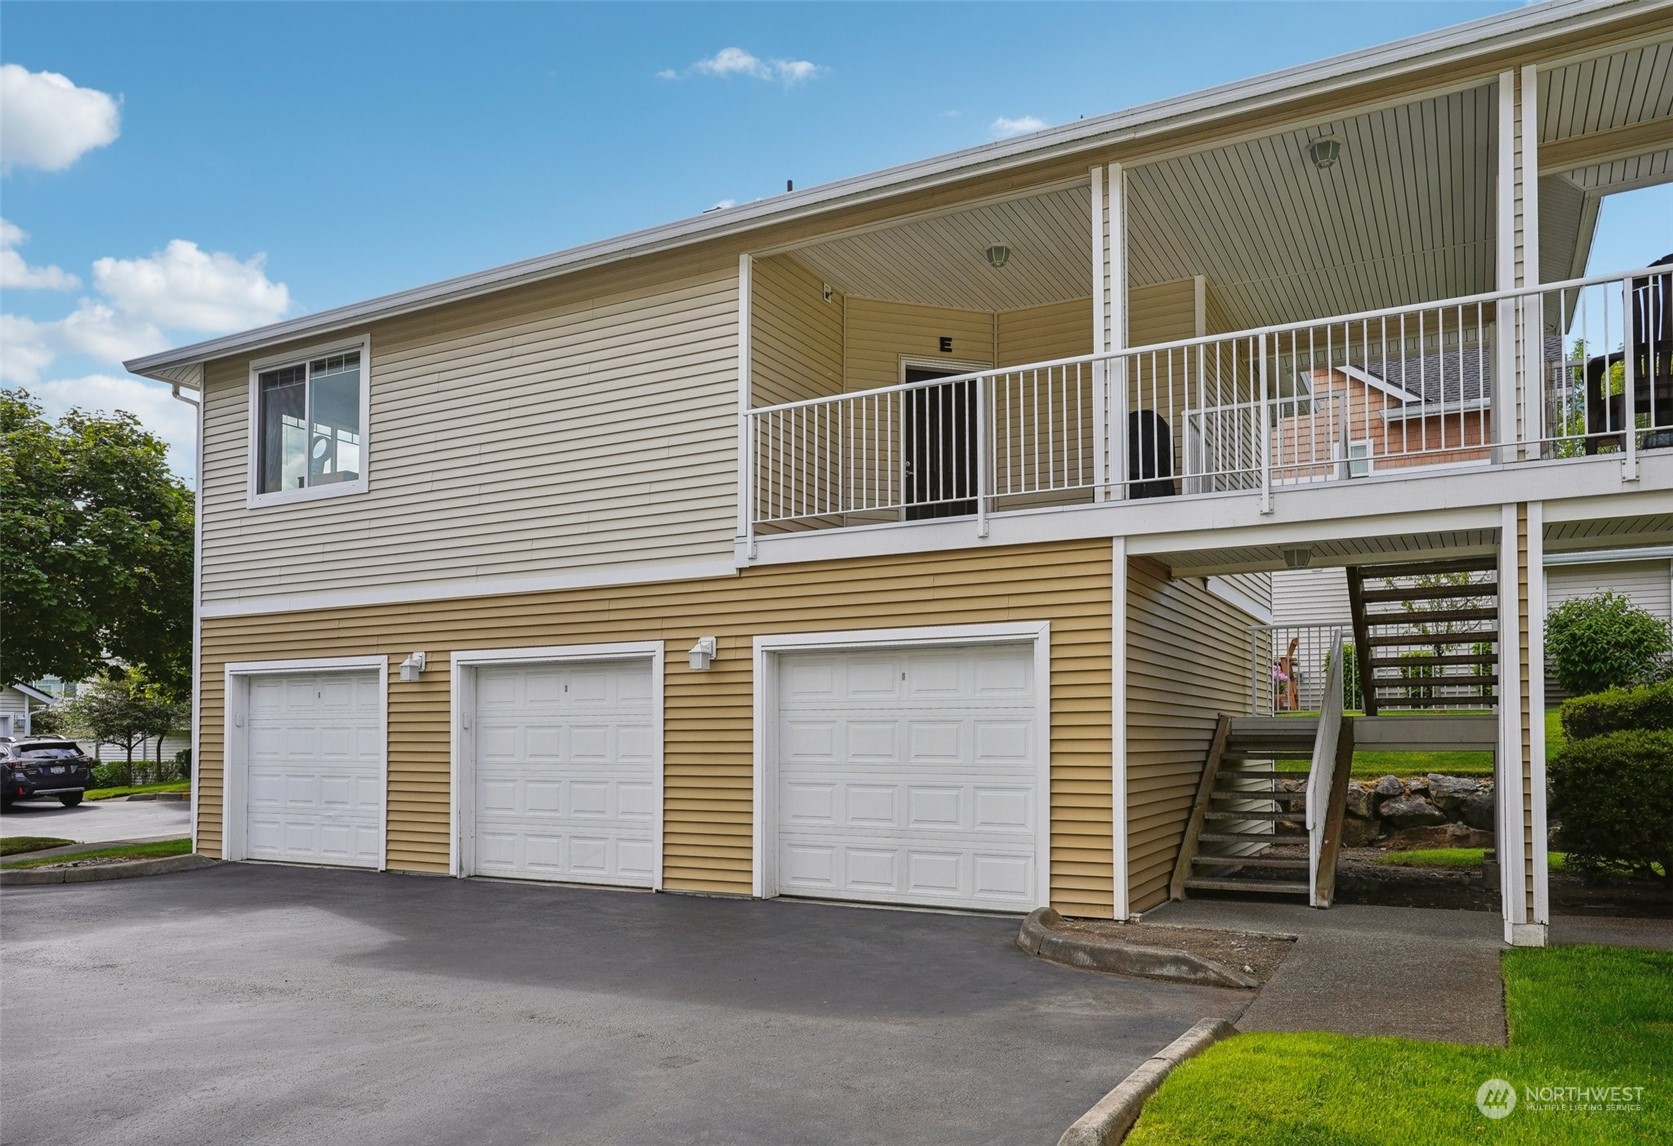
[95, 548]
[126, 709]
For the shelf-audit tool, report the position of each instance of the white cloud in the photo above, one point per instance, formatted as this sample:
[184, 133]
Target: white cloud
[158, 411]
[16, 274]
[1005, 127]
[48, 122]
[729, 62]
[106, 333]
[25, 349]
[184, 288]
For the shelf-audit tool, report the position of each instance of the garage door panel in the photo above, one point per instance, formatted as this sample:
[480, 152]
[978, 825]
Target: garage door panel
[565, 761]
[313, 783]
[909, 777]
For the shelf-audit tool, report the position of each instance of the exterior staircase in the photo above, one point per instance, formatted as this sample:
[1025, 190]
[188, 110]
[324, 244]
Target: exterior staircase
[1232, 841]
[1426, 633]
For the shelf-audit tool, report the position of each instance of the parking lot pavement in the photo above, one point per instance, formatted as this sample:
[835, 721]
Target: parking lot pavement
[266, 1004]
[94, 820]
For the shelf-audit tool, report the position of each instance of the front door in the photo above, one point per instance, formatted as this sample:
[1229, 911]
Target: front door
[940, 447]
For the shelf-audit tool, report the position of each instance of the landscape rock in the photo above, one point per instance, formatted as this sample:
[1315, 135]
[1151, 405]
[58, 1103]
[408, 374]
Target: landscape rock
[1417, 786]
[1411, 812]
[1438, 836]
[1389, 788]
[1447, 792]
[1476, 809]
[1360, 833]
[1359, 801]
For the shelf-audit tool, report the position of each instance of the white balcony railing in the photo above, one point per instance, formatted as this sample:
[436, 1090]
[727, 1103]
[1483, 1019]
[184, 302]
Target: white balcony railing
[1565, 369]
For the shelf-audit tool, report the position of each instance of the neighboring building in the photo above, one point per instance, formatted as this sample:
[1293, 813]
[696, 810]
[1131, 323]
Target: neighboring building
[18, 704]
[901, 540]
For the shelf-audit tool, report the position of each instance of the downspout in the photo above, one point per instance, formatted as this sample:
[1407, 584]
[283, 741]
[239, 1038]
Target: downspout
[197, 598]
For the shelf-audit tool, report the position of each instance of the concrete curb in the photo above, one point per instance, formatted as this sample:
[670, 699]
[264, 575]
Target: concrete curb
[39, 877]
[1109, 1121]
[1039, 937]
[159, 796]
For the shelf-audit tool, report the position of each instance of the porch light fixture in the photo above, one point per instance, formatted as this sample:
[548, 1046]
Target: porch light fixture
[412, 666]
[998, 255]
[1324, 152]
[1298, 558]
[702, 654]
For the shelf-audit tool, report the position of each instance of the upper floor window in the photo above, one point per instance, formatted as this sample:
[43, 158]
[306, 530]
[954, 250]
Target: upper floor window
[309, 415]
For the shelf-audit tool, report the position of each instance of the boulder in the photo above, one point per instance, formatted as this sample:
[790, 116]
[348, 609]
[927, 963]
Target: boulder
[1438, 836]
[1476, 809]
[1447, 792]
[1388, 788]
[1417, 786]
[1411, 812]
[1360, 833]
[1359, 801]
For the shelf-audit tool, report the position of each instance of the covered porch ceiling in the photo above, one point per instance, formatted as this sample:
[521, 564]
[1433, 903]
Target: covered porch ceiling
[1406, 214]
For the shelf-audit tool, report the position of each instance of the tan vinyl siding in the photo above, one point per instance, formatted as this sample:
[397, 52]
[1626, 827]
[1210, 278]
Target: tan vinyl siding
[1187, 662]
[708, 715]
[1043, 333]
[581, 423]
[879, 333]
[796, 334]
[1165, 312]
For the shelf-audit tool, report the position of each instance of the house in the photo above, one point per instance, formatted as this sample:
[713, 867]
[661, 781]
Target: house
[19, 702]
[900, 540]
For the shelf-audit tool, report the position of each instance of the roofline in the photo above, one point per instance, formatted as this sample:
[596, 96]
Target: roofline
[1478, 37]
[32, 693]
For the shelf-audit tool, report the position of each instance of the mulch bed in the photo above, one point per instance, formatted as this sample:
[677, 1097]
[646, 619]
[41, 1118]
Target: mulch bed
[1254, 954]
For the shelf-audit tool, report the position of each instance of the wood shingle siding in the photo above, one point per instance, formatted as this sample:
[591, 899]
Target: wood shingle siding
[1187, 662]
[578, 424]
[708, 716]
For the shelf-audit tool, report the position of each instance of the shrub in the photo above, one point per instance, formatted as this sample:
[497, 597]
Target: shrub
[1604, 641]
[183, 764]
[1614, 797]
[1648, 709]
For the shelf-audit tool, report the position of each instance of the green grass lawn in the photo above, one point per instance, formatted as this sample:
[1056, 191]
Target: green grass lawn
[129, 851]
[1462, 859]
[14, 845]
[131, 789]
[1579, 1017]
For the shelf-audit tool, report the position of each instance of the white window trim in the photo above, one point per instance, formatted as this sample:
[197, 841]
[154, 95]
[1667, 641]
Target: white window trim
[235, 733]
[461, 851]
[764, 873]
[1345, 457]
[254, 499]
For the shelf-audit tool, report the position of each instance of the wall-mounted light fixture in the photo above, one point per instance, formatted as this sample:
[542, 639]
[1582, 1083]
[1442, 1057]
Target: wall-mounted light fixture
[998, 255]
[1298, 558]
[412, 666]
[826, 291]
[1325, 151]
[702, 653]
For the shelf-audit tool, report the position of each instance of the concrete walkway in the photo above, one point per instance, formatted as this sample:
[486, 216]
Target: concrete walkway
[1355, 970]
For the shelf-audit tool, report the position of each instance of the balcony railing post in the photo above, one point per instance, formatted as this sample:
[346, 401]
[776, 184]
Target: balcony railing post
[1629, 388]
[750, 438]
[1262, 428]
[982, 455]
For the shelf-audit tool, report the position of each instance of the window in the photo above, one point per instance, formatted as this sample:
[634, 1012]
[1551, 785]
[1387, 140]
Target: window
[1359, 458]
[310, 425]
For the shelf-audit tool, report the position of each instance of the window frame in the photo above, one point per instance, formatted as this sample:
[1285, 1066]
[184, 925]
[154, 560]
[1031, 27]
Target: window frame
[254, 498]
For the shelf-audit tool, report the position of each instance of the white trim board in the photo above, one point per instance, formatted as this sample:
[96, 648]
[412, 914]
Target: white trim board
[461, 780]
[764, 877]
[236, 678]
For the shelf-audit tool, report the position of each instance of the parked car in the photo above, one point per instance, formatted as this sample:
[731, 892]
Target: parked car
[38, 767]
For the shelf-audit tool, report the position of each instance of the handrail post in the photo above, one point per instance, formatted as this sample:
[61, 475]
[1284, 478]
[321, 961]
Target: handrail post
[982, 455]
[1265, 432]
[750, 437]
[1629, 385]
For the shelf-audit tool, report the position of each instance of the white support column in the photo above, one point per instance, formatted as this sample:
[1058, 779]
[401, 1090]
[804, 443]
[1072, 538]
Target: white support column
[1118, 726]
[1115, 320]
[1519, 333]
[746, 463]
[1504, 278]
[1508, 777]
[1100, 345]
[1535, 674]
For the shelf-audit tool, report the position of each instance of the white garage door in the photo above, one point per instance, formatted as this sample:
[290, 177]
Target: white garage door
[314, 772]
[910, 777]
[565, 783]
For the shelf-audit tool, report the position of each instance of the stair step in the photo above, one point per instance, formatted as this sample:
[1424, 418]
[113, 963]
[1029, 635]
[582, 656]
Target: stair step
[1471, 702]
[1444, 659]
[1418, 640]
[1236, 837]
[1429, 616]
[1285, 862]
[1274, 794]
[1240, 774]
[1297, 817]
[1272, 886]
[1461, 681]
[1428, 592]
[1485, 564]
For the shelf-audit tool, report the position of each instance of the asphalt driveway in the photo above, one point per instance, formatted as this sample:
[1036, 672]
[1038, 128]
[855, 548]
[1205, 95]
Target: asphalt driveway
[250, 1003]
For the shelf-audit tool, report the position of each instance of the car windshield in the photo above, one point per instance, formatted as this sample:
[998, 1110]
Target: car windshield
[46, 751]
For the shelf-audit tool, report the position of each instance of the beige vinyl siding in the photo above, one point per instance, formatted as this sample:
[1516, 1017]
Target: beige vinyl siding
[1043, 333]
[1648, 584]
[1311, 597]
[1187, 662]
[708, 715]
[879, 333]
[578, 424]
[796, 335]
[1165, 312]
[13, 704]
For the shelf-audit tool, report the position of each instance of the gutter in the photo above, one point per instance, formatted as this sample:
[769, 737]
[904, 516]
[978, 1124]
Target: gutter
[1495, 33]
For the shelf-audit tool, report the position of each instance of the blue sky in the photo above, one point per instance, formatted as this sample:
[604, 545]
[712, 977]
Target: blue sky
[252, 162]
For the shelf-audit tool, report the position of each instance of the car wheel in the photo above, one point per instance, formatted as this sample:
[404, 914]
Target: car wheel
[70, 799]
